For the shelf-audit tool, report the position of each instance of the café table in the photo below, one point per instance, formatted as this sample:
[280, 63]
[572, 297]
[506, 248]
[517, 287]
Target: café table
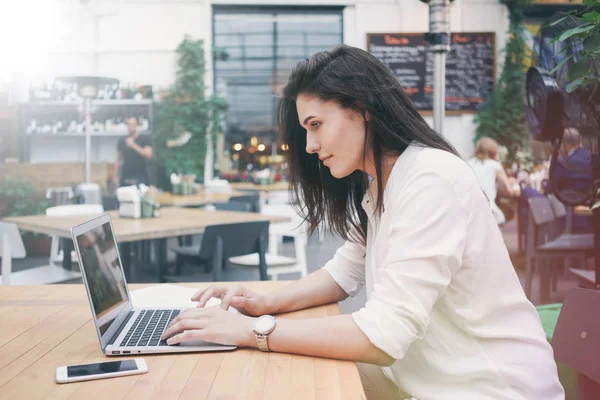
[173, 222]
[44, 327]
[267, 192]
[269, 187]
[166, 199]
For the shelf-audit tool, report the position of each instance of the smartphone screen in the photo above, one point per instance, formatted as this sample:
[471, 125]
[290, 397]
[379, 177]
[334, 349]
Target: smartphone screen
[101, 368]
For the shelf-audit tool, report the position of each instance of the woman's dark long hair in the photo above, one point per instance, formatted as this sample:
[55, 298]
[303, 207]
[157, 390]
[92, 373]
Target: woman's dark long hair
[355, 80]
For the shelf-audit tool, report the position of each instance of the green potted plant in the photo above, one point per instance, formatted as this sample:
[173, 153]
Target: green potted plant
[584, 72]
[19, 198]
[504, 116]
[187, 112]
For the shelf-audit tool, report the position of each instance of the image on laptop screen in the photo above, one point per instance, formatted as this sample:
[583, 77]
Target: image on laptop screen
[103, 273]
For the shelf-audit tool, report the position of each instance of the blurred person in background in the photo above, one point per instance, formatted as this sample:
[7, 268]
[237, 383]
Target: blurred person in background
[491, 175]
[132, 153]
[573, 172]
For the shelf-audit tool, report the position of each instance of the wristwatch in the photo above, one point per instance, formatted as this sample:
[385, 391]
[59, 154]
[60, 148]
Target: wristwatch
[263, 325]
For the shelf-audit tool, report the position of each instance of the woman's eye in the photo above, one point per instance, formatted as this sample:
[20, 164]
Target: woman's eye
[315, 124]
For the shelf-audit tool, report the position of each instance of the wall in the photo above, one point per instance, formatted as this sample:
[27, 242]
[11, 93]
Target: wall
[45, 176]
[134, 40]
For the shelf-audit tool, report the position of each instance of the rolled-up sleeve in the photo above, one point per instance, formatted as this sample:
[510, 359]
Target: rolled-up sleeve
[347, 267]
[422, 254]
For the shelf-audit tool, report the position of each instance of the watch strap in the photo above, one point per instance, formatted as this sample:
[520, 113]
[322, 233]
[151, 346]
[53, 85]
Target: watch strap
[261, 341]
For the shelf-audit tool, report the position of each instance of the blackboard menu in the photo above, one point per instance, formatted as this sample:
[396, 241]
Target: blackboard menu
[470, 67]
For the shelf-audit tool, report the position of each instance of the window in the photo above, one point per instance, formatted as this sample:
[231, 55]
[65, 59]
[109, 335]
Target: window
[255, 49]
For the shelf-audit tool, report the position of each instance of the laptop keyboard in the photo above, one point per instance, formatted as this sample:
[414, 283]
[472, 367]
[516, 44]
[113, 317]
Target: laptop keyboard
[148, 327]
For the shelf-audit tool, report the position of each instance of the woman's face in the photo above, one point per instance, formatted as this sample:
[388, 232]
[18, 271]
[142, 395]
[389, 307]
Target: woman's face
[336, 134]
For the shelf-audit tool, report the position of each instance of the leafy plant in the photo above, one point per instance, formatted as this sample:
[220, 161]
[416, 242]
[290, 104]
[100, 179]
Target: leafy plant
[21, 198]
[504, 116]
[586, 70]
[187, 108]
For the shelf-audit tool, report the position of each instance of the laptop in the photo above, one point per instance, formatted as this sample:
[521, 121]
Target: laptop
[122, 329]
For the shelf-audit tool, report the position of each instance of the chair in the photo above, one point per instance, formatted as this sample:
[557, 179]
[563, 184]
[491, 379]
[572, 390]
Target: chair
[576, 340]
[546, 242]
[278, 264]
[523, 214]
[89, 193]
[59, 196]
[252, 199]
[234, 206]
[560, 212]
[217, 186]
[278, 197]
[218, 244]
[12, 247]
[56, 255]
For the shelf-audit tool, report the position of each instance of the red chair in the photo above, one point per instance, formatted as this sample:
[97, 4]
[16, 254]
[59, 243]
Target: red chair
[576, 339]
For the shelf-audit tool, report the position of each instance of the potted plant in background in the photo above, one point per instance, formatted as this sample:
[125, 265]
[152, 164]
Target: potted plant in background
[504, 116]
[19, 198]
[187, 119]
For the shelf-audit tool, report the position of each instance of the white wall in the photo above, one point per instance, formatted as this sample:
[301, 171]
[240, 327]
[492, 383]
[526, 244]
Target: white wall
[134, 40]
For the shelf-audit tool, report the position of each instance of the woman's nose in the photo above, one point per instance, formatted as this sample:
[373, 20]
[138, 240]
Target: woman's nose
[312, 146]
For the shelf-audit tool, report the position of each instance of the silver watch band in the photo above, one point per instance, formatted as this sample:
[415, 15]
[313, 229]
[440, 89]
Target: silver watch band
[261, 341]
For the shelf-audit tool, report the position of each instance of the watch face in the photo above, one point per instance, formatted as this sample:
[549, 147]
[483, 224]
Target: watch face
[264, 324]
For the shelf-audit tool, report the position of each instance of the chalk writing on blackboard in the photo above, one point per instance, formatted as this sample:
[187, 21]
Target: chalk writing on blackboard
[470, 67]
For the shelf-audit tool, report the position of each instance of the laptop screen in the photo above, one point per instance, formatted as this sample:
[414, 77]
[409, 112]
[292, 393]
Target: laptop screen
[99, 258]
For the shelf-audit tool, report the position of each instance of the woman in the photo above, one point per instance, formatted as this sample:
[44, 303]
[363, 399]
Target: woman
[446, 315]
[491, 175]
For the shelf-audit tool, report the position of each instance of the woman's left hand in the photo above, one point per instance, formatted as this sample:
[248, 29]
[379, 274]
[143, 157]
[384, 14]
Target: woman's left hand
[211, 324]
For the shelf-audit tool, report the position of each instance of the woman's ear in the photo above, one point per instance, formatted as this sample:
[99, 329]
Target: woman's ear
[367, 116]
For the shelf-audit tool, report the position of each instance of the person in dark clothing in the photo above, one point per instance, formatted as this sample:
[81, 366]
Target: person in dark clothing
[132, 153]
[573, 172]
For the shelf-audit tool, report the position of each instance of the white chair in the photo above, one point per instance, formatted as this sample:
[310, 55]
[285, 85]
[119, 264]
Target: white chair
[59, 196]
[56, 255]
[278, 197]
[12, 247]
[217, 186]
[278, 264]
[91, 193]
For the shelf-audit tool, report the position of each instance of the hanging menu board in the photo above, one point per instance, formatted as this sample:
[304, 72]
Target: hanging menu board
[470, 67]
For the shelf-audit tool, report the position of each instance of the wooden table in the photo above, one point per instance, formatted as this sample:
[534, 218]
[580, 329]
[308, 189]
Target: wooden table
[166, 199]
[44, 327]
[173, 222]
[263, 188]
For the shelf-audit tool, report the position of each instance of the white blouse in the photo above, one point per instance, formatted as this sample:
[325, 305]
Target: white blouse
[443, 298]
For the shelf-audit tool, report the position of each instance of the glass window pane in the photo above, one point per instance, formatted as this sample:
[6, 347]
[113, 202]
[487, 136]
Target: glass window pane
[256, 51]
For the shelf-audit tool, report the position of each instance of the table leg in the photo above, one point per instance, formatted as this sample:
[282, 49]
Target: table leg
[67, 247]
[185, 241]
[161, 258]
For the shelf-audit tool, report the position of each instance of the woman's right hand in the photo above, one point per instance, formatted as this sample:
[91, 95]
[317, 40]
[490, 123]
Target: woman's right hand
[242, 299]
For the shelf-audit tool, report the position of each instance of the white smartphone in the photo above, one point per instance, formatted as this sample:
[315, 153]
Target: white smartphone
[110, 369]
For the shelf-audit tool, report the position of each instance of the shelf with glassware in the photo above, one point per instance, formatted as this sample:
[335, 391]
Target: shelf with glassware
[48, 128]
